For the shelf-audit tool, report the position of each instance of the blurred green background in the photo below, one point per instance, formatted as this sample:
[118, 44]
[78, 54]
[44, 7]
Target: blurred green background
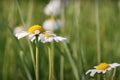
[89, 32]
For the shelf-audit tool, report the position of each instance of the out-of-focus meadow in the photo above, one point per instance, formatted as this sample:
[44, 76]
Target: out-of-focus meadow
[92, 30]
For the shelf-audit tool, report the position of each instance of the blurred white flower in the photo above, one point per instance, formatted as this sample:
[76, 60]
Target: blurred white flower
[102, 68]
[49, 37]
[52, 24]
[18, 29]
[53, 8]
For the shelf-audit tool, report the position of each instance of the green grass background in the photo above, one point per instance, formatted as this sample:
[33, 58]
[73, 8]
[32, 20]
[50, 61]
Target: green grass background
[79, 29]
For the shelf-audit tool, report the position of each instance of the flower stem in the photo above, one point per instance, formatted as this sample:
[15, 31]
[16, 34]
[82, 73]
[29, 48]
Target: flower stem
[61, 68]
[98, 32]
[73, 65]
[50, 53]
[113, 75]
[32, 54]
[25, 66]
[37, 63]
[104, 77]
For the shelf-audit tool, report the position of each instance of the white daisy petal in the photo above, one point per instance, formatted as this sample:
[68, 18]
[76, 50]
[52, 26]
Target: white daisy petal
[61, 39]
[114, 65]
[50, 39]
[109, 69]
[56, 39]
[39, 38]
[18, 29]
[22, 34]
[33, 38]
[88, 71]
[93, 73]
[104, 71]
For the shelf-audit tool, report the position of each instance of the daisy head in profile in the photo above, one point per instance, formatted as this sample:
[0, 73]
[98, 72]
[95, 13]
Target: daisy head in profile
[38, 32]
[50, 37]
[33, 32]
[102, 68]
[52, 24]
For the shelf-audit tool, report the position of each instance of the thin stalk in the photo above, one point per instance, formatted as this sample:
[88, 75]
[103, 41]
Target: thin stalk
[29, 18]
[5, 64]
[37, 59]
[61, 68]
[104, 77]
[50, 63]
[62, 31]
[98, 35]
[98, 32]
[74, 67]
[24, 65]
[32, 54]
[113, 75]
[19, 10]
[30, 12]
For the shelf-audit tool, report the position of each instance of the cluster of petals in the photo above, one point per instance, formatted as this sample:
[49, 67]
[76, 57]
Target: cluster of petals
[43, 36]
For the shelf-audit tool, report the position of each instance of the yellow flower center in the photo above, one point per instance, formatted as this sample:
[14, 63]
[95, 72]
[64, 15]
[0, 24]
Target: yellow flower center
[34, 28]
[47, 35]
[103, 66]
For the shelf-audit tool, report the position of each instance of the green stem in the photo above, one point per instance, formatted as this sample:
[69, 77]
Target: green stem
[32, 54]
[30, 12]
[24, 65]
[73, 65]
[37, 58]
[61, 68]
[104, 77]
[20, 13]
[50, 63]
[98, 32]
[113, 75]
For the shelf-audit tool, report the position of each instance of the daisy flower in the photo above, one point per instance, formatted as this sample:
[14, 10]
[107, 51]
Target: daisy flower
[49, 37]
[32, 32]
[52, 24]
[102, 68]
[53, 8]
[43, 36]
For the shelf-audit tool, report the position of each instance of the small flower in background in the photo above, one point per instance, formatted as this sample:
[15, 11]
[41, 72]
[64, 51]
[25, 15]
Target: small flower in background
[52, 24]
[18, 29]
[49, 37]
[53, 8]
[102, 68]
[32, 32]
